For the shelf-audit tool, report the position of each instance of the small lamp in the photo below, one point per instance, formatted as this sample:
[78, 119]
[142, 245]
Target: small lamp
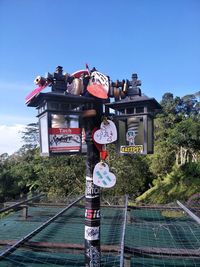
[60, 122]
[134, 117]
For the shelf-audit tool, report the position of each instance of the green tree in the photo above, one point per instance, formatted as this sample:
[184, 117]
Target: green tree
[186, 137]
[8, 183]
[132, 173]
[180, 184]
[30, 137]
[61, 176]
[177, 146]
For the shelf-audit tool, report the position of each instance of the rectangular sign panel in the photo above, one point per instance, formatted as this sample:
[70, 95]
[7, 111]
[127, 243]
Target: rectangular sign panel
[44, 141]
[134, 149]
[64, 140]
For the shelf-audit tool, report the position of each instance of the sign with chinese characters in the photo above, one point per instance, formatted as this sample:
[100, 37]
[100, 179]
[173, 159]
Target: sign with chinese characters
[64, 140]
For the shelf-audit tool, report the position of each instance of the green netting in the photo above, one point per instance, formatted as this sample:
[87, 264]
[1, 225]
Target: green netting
[66, 229]
[158, 228]
[162, 237]
[138, 261]
[111, 222]
[41, 259]
[16, 224]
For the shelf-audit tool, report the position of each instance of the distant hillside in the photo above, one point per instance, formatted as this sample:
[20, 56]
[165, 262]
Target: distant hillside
[180, 184]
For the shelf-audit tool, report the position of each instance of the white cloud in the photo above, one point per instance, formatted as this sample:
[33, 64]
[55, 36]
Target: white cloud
[10, 138]
[14, 115]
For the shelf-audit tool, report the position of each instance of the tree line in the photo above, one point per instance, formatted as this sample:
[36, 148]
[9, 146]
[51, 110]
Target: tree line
[171, 173]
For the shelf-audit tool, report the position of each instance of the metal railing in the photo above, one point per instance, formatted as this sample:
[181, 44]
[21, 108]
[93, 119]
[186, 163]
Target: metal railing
[36, 231]
[16, 205]
[189, 212]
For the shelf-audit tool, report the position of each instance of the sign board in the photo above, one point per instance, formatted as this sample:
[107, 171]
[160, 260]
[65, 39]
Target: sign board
[135, 149]
[64, 140]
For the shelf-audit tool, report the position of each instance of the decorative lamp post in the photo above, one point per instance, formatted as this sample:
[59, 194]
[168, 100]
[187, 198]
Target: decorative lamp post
[74, 108]
[63, 117]
[134, 116]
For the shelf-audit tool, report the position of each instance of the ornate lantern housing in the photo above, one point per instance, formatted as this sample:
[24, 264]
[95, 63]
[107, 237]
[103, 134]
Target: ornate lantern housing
[134, 117]
[60, 122]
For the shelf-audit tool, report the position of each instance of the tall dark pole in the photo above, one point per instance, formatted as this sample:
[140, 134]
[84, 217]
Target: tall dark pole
[92, 195]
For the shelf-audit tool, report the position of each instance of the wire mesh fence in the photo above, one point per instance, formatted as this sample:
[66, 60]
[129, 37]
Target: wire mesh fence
[162, 236]
[61, 243]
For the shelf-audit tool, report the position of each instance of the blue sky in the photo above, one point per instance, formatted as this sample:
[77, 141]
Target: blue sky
[157, 39]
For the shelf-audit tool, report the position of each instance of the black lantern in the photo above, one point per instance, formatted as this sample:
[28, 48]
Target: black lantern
[134, 117]
[60, 127]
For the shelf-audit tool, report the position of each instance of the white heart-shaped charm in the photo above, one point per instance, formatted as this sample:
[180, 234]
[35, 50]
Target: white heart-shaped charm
[106, 134]
[102, 176]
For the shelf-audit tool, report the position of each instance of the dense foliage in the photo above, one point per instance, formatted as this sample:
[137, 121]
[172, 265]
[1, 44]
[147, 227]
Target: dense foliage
[176, 161]
[172, 172]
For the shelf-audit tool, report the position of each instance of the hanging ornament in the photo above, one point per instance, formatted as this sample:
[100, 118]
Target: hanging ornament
[102, 177]
[98, 85]
[107, 133]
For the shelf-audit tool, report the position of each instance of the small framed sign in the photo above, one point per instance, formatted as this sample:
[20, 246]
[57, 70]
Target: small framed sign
[131, 149]
[61, 134]
[63, 140]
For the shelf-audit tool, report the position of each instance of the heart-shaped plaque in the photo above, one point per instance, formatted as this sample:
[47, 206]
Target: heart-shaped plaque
[106, 134]
[102, 176]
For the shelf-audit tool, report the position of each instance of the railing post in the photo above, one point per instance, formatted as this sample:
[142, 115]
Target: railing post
[25, 212]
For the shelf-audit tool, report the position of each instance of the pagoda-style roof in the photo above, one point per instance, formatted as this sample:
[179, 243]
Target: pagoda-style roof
[135, 101]
[59, 97]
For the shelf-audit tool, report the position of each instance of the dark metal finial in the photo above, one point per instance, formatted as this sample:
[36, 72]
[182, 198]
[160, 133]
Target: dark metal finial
[133, 89]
